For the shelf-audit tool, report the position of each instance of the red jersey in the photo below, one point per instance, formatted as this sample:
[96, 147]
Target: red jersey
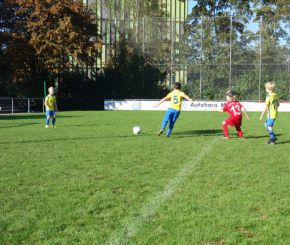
[234, 108]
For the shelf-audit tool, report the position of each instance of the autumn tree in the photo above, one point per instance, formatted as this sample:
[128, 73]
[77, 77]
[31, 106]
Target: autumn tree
[18, 62]
[63, 33]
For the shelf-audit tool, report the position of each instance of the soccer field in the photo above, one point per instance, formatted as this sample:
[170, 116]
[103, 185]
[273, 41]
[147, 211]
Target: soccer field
[91, 181]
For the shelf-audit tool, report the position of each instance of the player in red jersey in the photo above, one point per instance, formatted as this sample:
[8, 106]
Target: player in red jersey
[235, 109]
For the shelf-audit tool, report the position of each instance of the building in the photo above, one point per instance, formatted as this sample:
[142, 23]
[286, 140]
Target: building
[123, 16]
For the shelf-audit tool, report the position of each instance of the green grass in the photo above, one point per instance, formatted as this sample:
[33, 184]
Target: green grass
[90, 181]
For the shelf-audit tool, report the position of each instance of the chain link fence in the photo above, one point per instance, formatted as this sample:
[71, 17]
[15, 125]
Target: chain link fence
[208, 55]
[21, 105]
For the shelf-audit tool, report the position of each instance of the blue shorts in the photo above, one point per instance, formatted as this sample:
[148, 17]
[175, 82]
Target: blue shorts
[270, 122]
[50, 113]
[171, 115]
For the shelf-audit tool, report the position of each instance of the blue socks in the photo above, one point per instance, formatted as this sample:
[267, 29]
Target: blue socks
[47, 122]
[272, 134]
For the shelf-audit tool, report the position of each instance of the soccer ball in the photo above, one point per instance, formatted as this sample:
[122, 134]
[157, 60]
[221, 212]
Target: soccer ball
[136, 130]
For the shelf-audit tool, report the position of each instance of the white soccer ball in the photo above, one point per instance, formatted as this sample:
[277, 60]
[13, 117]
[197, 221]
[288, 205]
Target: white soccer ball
[136, 130]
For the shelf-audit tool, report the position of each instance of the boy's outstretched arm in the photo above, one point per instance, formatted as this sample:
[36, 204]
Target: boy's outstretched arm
[187, 98]
[245, 112]
[161, 101]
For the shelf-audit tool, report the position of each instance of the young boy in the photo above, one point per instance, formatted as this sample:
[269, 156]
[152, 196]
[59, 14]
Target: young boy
[175, 97]
[235, 109]
[51, 107]
[271, 106]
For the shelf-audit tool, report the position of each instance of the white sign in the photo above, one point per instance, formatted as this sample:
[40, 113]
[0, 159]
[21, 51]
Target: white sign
[147, 105]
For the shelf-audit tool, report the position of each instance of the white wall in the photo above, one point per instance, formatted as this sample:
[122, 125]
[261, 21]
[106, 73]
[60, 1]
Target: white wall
[147, 105]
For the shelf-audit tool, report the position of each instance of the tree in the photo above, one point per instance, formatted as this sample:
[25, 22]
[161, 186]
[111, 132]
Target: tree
[41, 39]
[63, 33]
[129, 76]
[17, 57]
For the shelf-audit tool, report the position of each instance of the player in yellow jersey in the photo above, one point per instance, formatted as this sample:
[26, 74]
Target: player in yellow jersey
[271, 107]
[51, 107]
[175, 97]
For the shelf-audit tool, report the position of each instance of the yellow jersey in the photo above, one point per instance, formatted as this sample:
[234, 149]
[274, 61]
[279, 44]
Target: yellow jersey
[50, 103]
[272, 104]
[175, 97]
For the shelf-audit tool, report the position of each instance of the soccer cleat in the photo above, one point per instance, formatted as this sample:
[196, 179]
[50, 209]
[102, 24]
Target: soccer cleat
[226, 137]
[160, 132]
[271, 142]
[242, 138]
[53, 126]
[46, 126]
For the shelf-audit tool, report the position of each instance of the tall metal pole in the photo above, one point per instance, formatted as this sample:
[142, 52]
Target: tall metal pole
[143, 44]
[12, 106]
[28, 105]
[230, 72]
[171, 54]
[260, 68]
[44, 88]
[288, 65]
[201, 60]
[115, 38]
[143, 47]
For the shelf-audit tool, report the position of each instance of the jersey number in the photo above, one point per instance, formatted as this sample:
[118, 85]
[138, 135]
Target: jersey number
[175, 99]
[236, 110]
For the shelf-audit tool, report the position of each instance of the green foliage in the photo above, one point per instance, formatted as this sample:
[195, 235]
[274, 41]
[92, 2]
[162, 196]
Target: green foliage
[129, 76]
[49, 40]
[213, 27]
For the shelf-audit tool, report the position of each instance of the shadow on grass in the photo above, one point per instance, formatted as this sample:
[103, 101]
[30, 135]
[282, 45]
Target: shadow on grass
[28, 116]
[260, 136]
[202, 132]
[283, 142]
[89, 125]
[16, 125]
[73, 139]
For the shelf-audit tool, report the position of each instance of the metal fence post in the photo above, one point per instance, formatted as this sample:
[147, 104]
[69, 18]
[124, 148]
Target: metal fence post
[28, 105]
[12, 106]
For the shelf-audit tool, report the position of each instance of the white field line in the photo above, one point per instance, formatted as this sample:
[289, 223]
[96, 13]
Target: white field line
[134, 223]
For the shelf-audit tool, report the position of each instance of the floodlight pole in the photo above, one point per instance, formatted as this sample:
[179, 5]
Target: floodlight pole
[201, 59]
[260, 68]
[231, 32]
[171, 54]
[143, 44]
[288, 66]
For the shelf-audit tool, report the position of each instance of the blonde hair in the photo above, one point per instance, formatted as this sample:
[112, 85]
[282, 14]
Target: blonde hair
[270, 86]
